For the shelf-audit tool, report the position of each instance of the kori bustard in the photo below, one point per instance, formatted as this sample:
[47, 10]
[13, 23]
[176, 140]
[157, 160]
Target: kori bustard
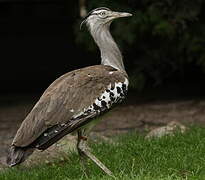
[76, 98]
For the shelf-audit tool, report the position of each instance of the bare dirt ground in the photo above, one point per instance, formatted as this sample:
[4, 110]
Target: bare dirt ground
[134, 114]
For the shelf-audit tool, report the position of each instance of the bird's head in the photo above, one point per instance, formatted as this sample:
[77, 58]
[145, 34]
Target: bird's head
[102, 16]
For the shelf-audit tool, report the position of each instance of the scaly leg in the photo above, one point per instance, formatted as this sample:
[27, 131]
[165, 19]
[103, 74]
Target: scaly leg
[83, 150]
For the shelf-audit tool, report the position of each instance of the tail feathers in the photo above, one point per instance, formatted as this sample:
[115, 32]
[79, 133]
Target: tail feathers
[17, 155]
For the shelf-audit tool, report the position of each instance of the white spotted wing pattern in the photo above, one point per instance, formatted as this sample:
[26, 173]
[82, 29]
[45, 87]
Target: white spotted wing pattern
[112, 95]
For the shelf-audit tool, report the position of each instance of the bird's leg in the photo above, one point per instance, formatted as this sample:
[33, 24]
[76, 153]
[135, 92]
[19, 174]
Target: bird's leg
[83, 150]
[82, 155]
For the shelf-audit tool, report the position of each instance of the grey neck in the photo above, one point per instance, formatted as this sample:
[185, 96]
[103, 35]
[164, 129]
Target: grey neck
[110, 53]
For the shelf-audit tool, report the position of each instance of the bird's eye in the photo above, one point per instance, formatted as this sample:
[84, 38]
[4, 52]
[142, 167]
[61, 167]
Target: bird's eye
[102, 14]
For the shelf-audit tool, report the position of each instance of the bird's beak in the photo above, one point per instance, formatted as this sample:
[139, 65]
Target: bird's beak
[120, 14]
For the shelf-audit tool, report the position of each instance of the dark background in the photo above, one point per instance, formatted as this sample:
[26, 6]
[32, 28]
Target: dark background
[162, 44]
[36, 42]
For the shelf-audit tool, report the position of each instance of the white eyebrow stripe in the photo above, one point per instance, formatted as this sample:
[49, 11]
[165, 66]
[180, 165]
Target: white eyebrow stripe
[98, 12]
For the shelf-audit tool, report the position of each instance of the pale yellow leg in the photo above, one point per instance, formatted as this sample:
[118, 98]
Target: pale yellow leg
[84, 151]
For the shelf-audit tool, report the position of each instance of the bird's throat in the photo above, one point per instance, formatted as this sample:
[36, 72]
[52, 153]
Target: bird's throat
[110, 53]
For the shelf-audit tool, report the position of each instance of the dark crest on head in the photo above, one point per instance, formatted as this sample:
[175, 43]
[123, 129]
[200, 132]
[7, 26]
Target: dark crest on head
[90, 13]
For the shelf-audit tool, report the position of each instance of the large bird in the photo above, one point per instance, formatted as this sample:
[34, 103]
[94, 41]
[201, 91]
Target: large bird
[77, 98]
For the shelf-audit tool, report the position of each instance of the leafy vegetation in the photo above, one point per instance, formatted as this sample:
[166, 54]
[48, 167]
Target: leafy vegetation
[131, 157]
[164, 38]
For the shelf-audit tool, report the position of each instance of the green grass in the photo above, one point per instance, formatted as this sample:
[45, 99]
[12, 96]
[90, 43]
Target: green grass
[168, 158]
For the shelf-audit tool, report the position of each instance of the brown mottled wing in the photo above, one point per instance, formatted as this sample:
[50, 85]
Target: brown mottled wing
[66, 97]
